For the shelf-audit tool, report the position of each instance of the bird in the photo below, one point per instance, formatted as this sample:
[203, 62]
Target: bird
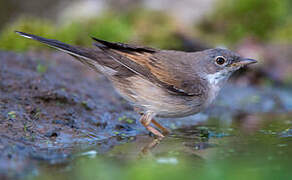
[158, 83]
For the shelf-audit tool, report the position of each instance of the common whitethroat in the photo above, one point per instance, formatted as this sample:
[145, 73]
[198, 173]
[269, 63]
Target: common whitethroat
[162, 83]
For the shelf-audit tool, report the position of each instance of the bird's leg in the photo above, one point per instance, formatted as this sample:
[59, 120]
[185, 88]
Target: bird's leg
[163, 129]
[146, 120]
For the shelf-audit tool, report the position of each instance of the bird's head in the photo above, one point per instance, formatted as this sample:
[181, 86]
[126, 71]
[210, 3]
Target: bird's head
[218, 64]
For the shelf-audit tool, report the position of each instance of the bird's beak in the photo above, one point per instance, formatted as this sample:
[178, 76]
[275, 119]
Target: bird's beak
[244, 62]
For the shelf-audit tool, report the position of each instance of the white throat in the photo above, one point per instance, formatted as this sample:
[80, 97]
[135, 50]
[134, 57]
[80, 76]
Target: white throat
[217, 79]
[215, 82]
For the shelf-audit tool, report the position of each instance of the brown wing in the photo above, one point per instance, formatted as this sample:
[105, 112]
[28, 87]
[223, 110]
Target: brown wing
[169, 69]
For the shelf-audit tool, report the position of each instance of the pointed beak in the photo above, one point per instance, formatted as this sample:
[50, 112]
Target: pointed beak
[244, 62]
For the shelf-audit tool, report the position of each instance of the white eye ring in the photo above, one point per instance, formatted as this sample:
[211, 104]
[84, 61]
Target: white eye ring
[220, 60]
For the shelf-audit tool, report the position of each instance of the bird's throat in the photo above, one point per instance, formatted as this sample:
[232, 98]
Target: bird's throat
[215, 82]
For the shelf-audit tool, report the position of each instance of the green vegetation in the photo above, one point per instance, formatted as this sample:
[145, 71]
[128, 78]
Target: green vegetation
[41, 68]
[111, 27]
[108, 27]
[283, 34]
[11, 114]
[10, 41]
[126, 119]
[233, 20]
[155, 28]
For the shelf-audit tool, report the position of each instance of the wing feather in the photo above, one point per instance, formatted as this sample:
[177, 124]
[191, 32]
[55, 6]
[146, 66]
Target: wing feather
[160, 67]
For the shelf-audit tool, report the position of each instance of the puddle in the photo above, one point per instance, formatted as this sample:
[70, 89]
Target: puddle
[199, 152]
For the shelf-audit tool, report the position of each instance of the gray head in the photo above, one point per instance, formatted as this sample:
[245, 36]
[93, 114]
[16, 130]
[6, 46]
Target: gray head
[222, 60]
[216, 65]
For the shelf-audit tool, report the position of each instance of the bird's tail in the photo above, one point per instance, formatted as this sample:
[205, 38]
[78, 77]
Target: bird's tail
[72, 50]
[84, 55]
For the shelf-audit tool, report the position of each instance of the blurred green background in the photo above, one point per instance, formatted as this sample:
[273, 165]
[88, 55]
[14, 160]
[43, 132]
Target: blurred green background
[224, 22]
[249, 27]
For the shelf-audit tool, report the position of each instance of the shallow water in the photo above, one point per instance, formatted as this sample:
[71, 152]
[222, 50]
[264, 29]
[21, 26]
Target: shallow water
[261, 150]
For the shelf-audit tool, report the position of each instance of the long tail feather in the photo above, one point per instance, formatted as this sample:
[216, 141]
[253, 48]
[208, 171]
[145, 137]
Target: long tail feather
[72, 50]
[94, 58]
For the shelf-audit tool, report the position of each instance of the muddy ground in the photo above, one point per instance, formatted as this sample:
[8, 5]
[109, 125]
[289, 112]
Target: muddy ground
[52, 107]
[51, 104]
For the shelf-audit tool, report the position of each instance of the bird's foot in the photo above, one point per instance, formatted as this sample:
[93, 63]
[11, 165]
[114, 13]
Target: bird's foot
[146, 120]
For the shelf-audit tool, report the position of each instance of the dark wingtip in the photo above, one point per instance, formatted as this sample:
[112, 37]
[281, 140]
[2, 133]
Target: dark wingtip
[99, 43]
[94, 38]
[106, 43]
[122, 46]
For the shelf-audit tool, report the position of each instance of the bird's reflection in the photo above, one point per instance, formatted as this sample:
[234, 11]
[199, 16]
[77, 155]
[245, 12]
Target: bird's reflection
[186, 140]
[146, 150]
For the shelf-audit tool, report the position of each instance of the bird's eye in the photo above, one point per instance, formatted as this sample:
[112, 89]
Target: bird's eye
[220, 60]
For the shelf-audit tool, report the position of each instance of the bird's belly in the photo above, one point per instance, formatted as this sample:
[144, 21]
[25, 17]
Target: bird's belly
[168, 113]
[149, 97]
